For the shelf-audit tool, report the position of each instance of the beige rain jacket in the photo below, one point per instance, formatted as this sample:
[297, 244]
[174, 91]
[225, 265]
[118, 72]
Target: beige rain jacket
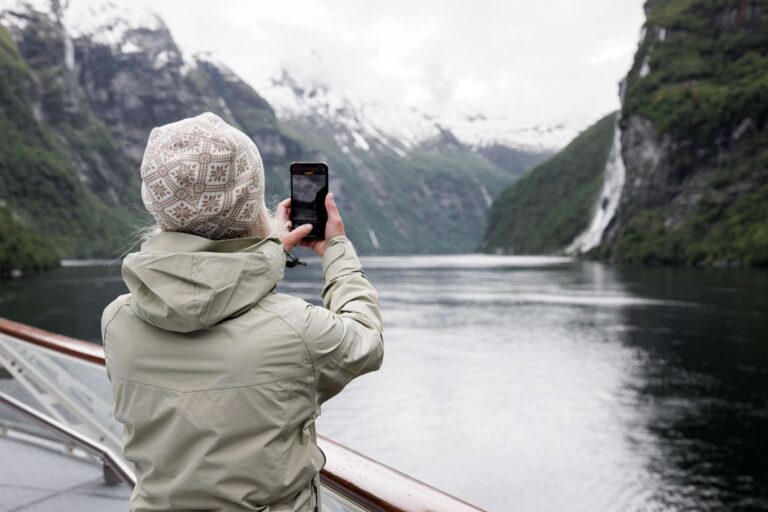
[218, 378]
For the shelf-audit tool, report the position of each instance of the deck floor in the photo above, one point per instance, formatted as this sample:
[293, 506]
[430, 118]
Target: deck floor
[35, 478]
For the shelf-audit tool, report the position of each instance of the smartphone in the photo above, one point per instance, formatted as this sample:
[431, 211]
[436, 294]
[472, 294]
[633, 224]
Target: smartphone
[309, 186]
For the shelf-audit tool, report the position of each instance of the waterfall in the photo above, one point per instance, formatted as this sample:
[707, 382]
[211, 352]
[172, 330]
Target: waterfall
[69, 52]
[374, 238]
[609, 199]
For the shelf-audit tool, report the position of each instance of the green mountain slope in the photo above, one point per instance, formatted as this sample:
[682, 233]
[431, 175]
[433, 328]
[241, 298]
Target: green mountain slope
[546, 209]
[21, 249]
[697, 103]
[46, 212]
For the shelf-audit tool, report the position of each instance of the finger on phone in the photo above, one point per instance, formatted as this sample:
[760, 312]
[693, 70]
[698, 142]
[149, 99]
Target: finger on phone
[283, 210]
[330, 205]
[294, 237]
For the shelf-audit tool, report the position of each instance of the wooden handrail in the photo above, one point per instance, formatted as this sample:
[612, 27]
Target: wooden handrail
[78, 349]
[363, 481]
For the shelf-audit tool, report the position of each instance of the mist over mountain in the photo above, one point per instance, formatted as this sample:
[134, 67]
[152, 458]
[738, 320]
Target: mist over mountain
[418, 187]
[684, 180]
[83, 86]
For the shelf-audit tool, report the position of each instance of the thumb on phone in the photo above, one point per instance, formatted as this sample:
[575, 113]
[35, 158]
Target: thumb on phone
[292, 238]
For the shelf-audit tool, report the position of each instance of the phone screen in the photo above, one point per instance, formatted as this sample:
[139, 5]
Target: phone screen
[309, 186]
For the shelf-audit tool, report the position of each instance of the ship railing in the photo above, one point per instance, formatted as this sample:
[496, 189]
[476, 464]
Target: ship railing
[115, 469]
[82, 412]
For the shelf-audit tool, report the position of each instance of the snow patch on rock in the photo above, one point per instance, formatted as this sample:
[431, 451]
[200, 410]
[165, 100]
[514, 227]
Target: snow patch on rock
[108, 22]
[69, 52]
[364, 124]
[645, 69]
[41, 6]
[486, 195]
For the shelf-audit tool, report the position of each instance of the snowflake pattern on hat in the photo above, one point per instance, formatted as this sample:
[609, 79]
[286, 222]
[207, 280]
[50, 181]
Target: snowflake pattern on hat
[202, 176]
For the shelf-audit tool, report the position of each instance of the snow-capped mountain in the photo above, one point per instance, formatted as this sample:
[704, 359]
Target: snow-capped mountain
[106, 22]
[366, 123]
[401, 127]
[480, 130]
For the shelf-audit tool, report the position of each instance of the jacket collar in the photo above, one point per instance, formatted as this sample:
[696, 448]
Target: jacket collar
[171, 241]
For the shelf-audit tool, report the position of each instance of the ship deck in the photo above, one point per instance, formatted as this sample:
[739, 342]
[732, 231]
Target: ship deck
[35, 477]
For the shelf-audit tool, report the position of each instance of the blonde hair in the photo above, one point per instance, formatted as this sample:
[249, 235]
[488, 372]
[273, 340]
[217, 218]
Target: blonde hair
[265, 225]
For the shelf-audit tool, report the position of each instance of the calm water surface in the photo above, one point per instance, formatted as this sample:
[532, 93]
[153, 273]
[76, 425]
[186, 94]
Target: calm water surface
[534, 383]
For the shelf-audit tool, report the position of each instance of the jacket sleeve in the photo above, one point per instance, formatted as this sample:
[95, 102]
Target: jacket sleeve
[106, 317]
[346, 334]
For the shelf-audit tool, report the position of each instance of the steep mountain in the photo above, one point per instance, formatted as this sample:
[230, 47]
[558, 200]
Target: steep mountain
[134, 77]
[686, 179]
[694, 137]
[94, 78]
[551, 205]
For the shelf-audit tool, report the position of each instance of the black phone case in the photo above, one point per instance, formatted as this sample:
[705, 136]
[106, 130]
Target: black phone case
[318, 227]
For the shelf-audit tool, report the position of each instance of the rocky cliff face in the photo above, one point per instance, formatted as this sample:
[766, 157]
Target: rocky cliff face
[105, 84]
[693, 134]
[58, 102]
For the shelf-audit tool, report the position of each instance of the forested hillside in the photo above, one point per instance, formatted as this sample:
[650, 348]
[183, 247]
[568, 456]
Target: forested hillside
[545, 210]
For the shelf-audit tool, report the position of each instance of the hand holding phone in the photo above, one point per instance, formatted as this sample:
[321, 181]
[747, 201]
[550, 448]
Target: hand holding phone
[333, 227]
[309, 186]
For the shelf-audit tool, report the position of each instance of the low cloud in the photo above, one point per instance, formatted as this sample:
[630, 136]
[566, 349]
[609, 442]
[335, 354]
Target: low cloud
[536, 63]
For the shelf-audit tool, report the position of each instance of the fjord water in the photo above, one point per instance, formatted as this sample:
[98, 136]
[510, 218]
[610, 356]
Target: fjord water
[533, 383]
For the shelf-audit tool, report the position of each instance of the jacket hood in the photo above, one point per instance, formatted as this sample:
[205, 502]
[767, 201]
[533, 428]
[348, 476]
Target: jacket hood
[183, 283]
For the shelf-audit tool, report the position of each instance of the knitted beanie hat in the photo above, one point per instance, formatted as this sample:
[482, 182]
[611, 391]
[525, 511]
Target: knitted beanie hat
[202, 176]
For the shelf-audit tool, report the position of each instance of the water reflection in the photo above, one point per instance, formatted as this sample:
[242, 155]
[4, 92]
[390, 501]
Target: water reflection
[535, 383]
[507, 385]
[703, 385]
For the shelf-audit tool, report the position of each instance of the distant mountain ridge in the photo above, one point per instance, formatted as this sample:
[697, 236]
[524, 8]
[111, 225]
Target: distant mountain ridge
[100, 79]
[410, 126]
[401, 159]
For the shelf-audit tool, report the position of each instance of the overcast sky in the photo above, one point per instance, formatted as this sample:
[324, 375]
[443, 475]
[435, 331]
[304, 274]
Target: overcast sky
[537, 62]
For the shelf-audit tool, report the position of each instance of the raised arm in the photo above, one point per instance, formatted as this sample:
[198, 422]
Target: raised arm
[345, 335]
[352, 299]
